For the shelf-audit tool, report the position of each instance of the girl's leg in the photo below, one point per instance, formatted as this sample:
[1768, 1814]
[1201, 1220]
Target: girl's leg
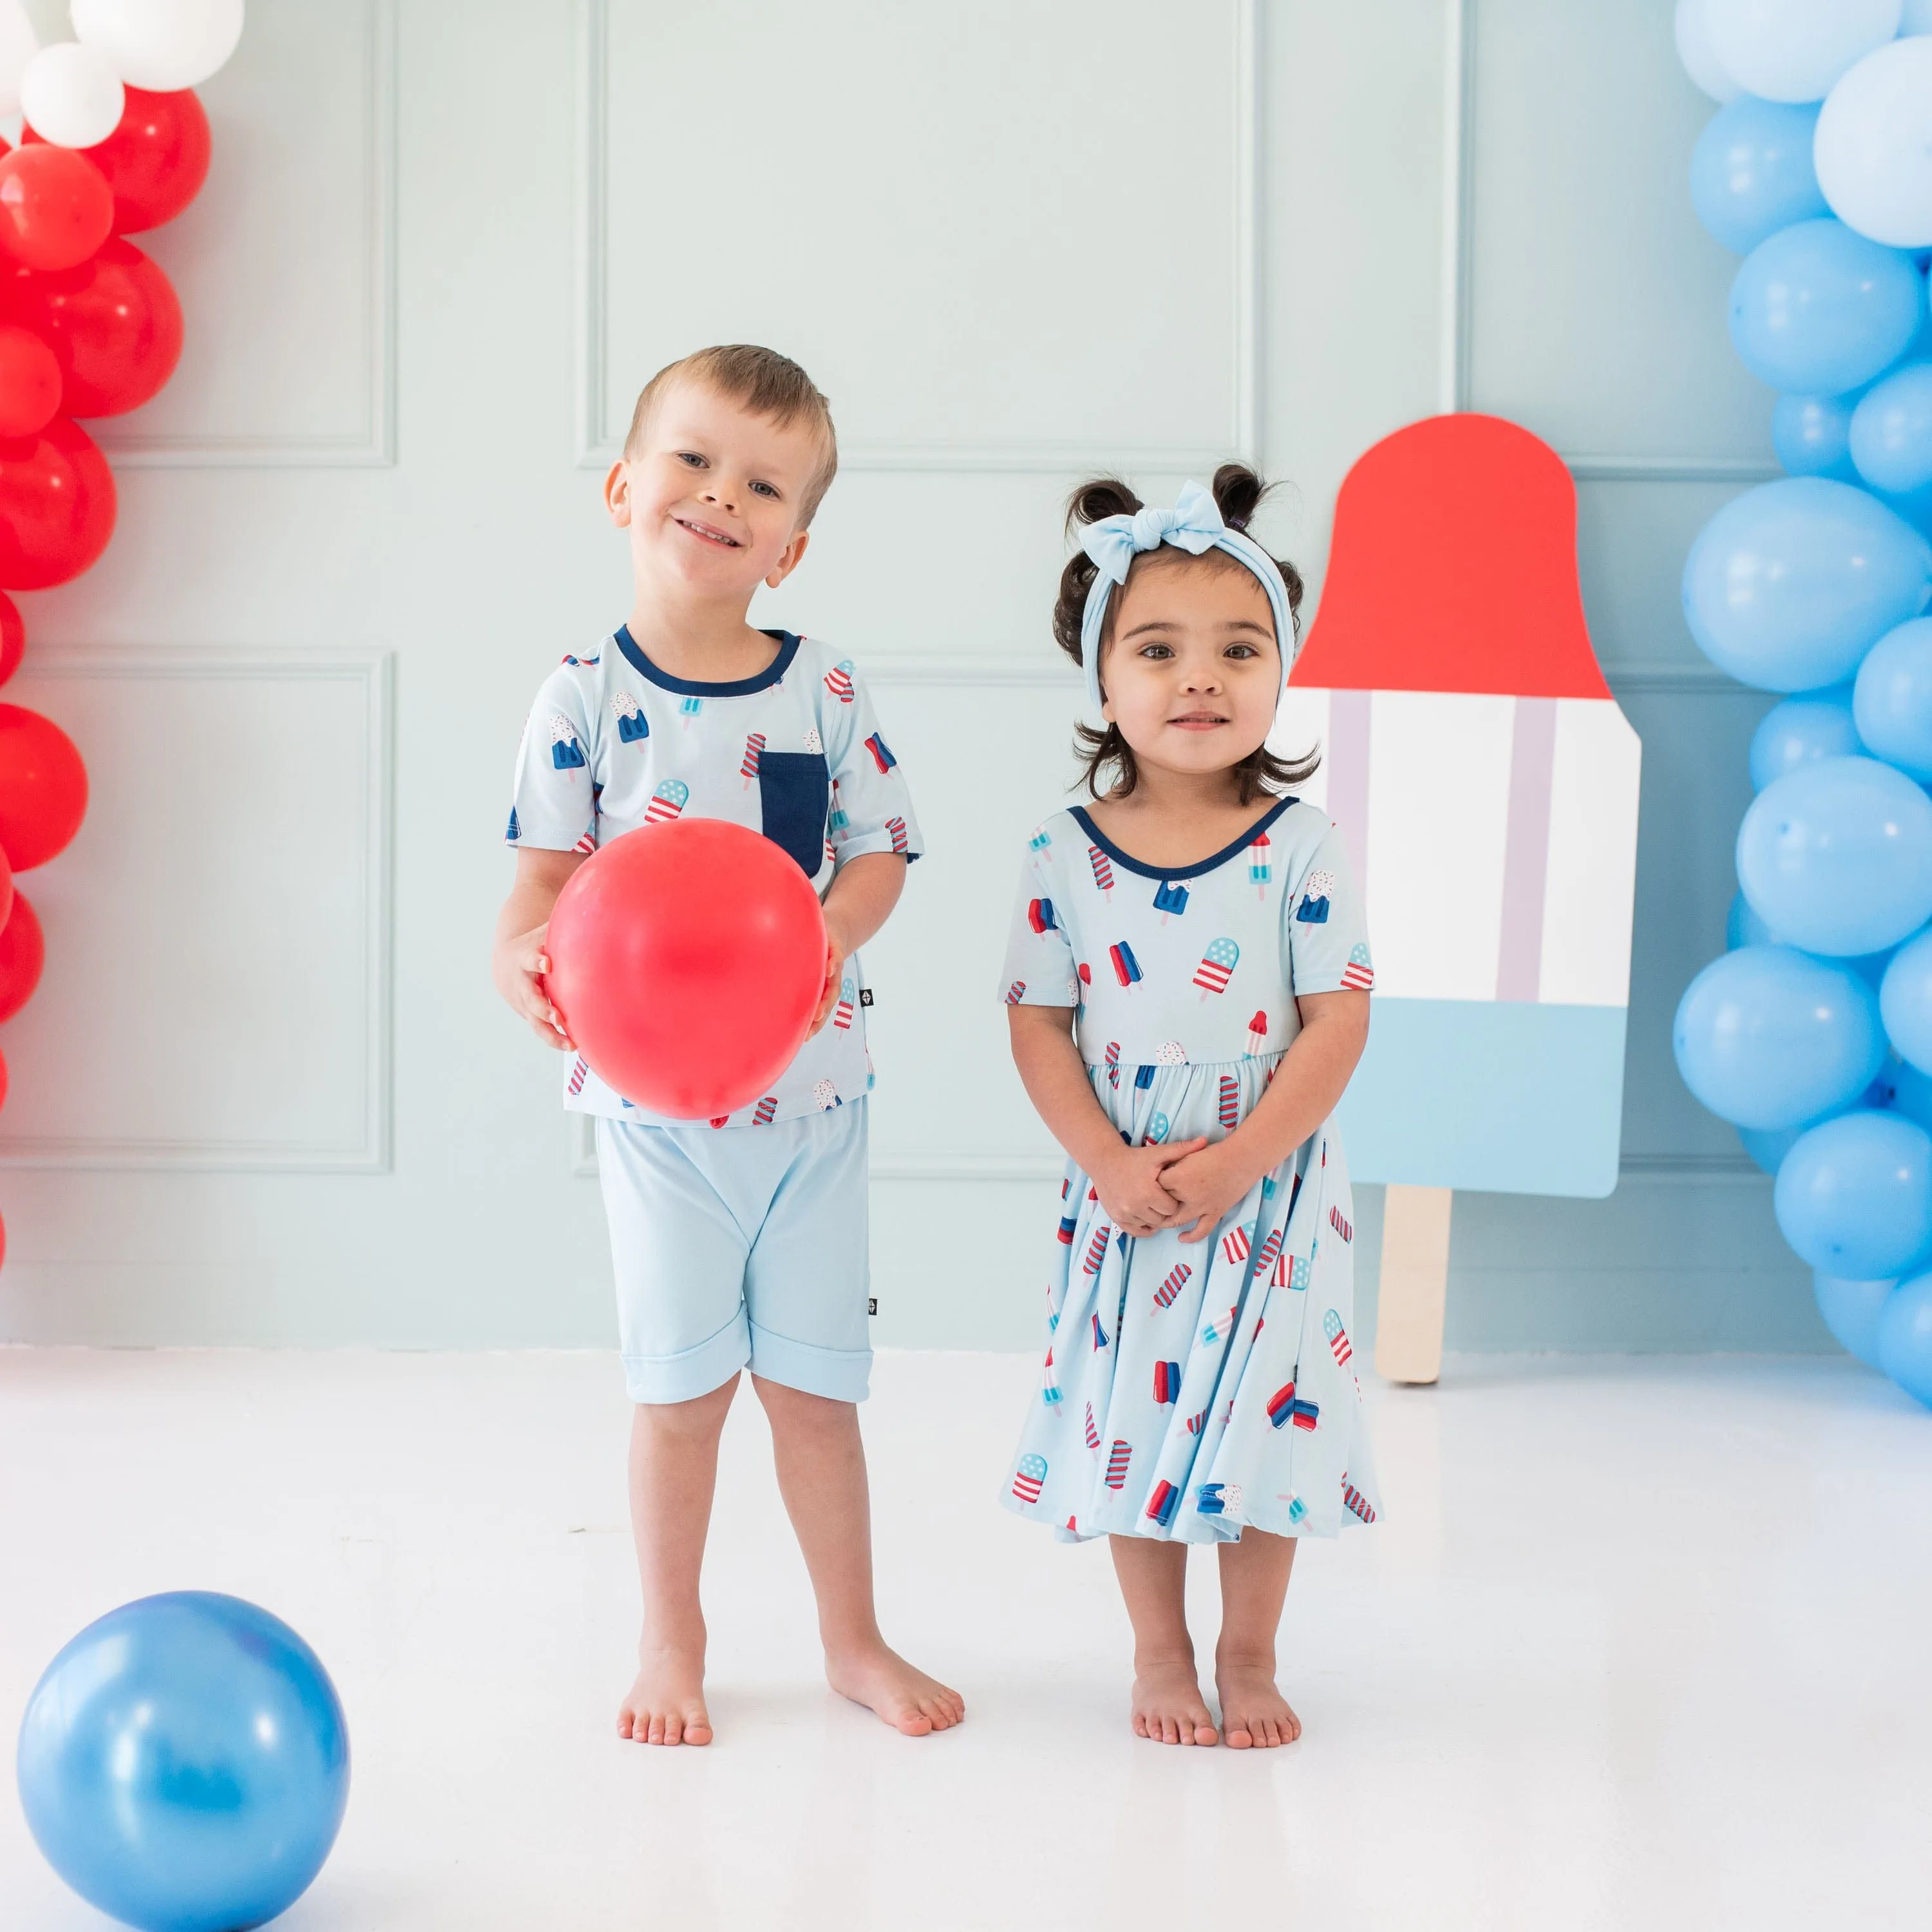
[1168, 1706]
[821, 1467]
[1254, 1585]
[673, 1472]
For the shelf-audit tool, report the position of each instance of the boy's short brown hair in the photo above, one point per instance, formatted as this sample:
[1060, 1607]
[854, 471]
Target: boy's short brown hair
[767, 384]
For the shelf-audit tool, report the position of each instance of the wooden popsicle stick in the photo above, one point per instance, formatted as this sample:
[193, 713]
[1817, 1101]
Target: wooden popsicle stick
[1415, 1282]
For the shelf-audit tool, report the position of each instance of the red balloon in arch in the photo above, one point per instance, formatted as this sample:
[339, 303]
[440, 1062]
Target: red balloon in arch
[42, 788]
[113, 325]
[56, 506]
[155, 161]
[30, 381]
[55, 206]
[23, 952]
[13, 637]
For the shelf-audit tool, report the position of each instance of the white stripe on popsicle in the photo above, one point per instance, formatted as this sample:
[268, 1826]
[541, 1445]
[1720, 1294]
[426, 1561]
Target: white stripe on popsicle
[1526, 855]
[1591, 882]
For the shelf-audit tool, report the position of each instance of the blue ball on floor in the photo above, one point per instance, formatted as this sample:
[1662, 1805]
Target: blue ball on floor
[184, 1764]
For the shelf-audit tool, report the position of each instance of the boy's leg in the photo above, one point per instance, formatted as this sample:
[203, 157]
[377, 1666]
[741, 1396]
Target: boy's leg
[1254, 1585]
[1168, 1706]
[821, 1470]
[673, 1473]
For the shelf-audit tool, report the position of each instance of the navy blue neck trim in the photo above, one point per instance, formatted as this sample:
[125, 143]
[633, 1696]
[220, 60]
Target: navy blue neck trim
[788, 643]
[1193, 871]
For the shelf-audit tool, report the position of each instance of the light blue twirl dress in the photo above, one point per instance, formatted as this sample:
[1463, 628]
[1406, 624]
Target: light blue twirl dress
[1192, 1390]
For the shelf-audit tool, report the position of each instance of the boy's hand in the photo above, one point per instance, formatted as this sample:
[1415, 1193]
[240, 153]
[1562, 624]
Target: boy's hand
[835, 973]
[1204, 1184]
[517, 965]
[1132, 1186]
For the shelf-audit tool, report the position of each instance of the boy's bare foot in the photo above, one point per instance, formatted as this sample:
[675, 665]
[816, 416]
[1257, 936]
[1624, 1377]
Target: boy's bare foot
[907, 1699]
[666, 1705]
[1169, 1708]
[1255, 1716]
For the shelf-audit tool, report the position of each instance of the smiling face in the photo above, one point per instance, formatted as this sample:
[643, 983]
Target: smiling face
[1191, 672]
[713, 495]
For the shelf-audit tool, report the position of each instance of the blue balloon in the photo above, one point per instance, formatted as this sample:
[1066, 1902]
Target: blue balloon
[1891, 700]
[1905, 1337]
[1812, 435]
[1851, 1309]
[1815, 724]
[1900, 1088]
[1751, 172]
[1742, 927]
[1854, 1197]
[1767, 1146]
[1837, 857]
[1905, 1001]
[184, 1764]
[1766, 1038]
[1817, 309]
[1891, 437]
[1790, 585]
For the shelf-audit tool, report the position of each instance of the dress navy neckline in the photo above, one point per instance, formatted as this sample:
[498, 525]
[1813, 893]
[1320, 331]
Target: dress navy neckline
[1086, 823]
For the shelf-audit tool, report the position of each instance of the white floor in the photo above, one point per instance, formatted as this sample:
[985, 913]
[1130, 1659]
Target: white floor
[1641, 1643]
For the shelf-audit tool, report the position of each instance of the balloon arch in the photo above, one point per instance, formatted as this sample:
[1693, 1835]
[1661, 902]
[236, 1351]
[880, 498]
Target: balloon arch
[1813, 1035]
[113, 142]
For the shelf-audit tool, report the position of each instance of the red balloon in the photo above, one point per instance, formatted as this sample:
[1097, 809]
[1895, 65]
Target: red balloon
[23, 951]
[13, 637]
[30, 381]
[686, 959]
[113, 326]
[56, 506]
[55, 206]
[6, 913]
[155, 161]
[42, 788]
[3, 1102]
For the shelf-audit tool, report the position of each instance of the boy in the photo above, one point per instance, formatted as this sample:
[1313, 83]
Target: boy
[742, 1245]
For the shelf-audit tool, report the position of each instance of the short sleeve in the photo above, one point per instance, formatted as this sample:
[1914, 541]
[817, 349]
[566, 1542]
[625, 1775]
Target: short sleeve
[1327, 943]
[1039, 970]
[553, 798]
[871, 803]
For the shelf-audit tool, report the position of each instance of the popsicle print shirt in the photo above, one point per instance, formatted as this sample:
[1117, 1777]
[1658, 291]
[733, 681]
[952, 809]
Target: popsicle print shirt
[614, 742]
[1191, 966]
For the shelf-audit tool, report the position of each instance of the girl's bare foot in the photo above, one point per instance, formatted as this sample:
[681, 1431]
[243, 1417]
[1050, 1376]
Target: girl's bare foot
[666, 1705]
[1255, 1716]
[880, 1678]
[1168, 1706]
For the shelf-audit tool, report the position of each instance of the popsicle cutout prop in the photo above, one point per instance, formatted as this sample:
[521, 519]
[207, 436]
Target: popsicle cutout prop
[1486, 785]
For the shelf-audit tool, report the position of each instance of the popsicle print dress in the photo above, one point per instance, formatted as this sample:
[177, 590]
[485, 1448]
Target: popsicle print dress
[1190, 1390]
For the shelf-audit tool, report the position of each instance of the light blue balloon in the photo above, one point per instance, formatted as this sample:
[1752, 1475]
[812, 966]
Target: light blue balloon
[1837, 857]
[1815, 724]
[184, 1764]
[1900, 1088]
[1817, 309]
[1892, 699]
[1854, 1197]
[1751, 172]
[1890, 435]
[1851, 1309]
[1767, 1146]
[1812, 435]
[1742, 927]
[1905, 1001]
[1904, 1337]
[1790, 585]
[1767, 1038]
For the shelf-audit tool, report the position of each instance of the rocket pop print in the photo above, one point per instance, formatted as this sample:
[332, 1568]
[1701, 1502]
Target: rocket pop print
[1258, 1029]
[1259, 869]
[1217, 967]
[667, 802]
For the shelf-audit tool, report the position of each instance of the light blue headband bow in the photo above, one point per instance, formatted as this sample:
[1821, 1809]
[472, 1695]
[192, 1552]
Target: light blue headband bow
[1194, 524]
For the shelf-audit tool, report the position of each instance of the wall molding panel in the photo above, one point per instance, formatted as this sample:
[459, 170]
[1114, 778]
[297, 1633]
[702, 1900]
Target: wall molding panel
[598, 447]
[367, 1150]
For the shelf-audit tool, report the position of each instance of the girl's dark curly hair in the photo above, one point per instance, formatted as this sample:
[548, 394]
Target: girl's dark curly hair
[1105, 755]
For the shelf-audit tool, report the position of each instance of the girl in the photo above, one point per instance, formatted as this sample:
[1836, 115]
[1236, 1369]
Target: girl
[1188, 986]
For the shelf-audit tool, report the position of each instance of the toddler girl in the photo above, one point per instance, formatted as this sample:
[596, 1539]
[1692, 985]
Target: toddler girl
[1188, 986]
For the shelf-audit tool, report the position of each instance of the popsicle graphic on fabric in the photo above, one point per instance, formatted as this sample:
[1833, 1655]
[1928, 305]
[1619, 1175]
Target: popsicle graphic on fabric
[1040, 915]
[566, 754]
[1260, 868]
[1169, 900]
[1485, 783]
[881, 753]
[839, 681]
[748, 767]
[667, 802]
[1103, 868]
[1217, 967]
[848, 995]
[1027, 1478]
[1126, 967]
[633, 727]
[1258, 1033]
[688, 707]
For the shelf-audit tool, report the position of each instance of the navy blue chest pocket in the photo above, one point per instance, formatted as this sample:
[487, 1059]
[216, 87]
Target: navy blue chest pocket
[794, 794]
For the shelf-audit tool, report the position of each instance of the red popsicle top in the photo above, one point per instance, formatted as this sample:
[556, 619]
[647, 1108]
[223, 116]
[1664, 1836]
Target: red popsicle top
[1453, 568]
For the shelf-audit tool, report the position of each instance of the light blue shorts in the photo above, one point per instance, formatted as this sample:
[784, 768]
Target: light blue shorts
[737, 1247]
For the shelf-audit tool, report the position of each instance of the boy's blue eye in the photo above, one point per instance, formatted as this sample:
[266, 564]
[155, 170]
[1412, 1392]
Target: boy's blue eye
[764, 489]
[691, 457]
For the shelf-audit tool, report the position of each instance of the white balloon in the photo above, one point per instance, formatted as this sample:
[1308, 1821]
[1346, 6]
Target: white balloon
[1873, 149]
[1693, 49]
[1917, 17]
[1794, 49]
[161, 44]
[71, 96]
[18, 46]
